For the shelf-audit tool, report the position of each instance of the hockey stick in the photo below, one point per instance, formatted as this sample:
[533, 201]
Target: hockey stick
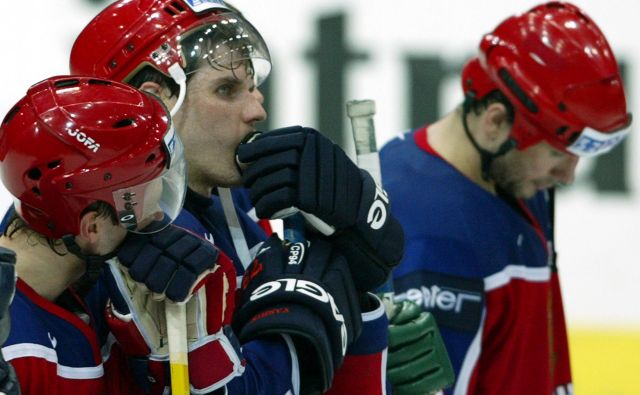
[176, 316]
[361, 113]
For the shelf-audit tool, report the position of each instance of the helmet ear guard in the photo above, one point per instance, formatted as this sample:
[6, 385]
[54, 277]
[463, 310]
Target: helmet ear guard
[583, 90]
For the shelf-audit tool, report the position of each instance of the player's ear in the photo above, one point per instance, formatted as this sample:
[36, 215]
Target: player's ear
[89, 228]
[151, 87]
[161, 91]
[98, 234]
[496, 125]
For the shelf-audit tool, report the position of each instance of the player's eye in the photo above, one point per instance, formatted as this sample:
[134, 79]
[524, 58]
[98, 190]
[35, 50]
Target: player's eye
[225, 90]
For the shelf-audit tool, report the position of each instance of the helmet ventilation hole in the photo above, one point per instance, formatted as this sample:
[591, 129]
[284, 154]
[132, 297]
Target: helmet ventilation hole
[54, 164]
[561, 130]
[66, 83]
[555, 5]
[174, 8]
[574, 137]
[36, 191]
[179, 6]
[517, 90]
[150, 158]
[98, 82]
[11, 114]
[34, 174]
[123, 123]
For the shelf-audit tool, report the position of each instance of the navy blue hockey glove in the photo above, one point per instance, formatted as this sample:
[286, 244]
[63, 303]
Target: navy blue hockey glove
[169, 262]
[303, 290]
[300, 167]
[8, 380]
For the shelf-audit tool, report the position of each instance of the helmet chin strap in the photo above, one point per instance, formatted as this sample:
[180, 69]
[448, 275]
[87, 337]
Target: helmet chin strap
[94, 263]
[486, 157]
[177, 73]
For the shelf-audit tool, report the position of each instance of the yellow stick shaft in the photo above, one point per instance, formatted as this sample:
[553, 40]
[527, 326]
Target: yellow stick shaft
[178, 350]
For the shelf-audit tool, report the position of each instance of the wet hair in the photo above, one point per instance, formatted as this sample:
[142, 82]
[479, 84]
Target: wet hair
[16, 224]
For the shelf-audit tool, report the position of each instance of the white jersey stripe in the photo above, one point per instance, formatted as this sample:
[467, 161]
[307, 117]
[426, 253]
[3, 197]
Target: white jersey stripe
[502, 278]
[25, 350]
[494, 281]
[383, 370]
[470, 360]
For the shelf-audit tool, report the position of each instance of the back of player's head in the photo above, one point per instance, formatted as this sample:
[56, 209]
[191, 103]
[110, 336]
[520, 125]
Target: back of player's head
[131, 34]
[73, 141]
[559, 73]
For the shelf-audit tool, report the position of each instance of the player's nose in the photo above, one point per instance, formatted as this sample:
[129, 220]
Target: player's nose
[254, 111]
[565, 172]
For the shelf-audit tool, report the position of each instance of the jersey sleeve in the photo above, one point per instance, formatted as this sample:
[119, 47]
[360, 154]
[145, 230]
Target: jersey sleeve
[366, 357]
[271, 368]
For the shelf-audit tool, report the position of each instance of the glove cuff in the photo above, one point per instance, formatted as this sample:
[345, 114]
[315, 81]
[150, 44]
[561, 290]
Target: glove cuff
[310, 338]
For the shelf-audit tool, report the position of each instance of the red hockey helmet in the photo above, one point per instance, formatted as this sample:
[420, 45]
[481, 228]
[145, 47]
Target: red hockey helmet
[72, 141]
[556, 68]
[130, 34]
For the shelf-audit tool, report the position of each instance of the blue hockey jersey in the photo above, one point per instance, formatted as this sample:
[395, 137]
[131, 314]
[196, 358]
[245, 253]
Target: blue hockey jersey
[366, 356]
[55, 352]
[484, 266]
[271, 364]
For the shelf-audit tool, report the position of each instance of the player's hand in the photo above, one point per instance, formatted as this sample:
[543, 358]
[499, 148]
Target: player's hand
[417, 361]
[299, 167]
[168, 263]
[305, 291]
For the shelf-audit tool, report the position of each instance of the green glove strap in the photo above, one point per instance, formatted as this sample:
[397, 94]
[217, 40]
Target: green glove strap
[417, 361]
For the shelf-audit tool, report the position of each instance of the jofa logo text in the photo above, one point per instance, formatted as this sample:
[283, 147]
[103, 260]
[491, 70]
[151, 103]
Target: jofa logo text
[84, 139]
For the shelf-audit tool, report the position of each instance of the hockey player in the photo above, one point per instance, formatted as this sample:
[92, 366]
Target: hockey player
[474, 191]
[73, 153]
[206, 62]
[98, 173]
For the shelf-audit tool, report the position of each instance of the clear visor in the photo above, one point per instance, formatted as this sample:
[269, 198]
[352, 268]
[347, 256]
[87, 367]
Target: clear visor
[592, 143]
[229, 43]
[151, 206]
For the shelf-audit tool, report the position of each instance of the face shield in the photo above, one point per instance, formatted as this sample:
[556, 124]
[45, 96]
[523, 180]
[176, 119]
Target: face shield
[151, 206]
[228, 43]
